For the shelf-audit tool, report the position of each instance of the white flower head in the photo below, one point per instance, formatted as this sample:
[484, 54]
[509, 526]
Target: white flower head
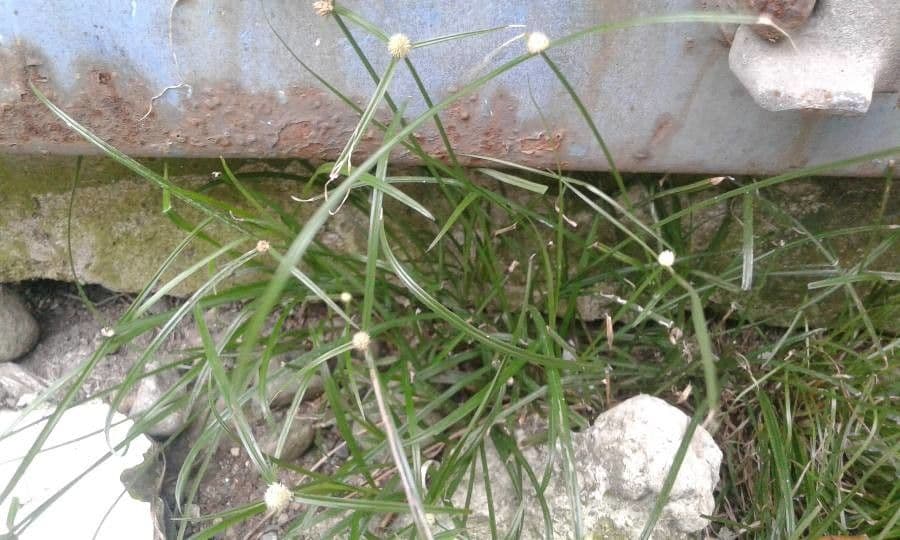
[361, 341]
[262, 246]
[323, 8]
[399, 46]
[346, 297]
[537, 42]
[666, 258]
[277, 497]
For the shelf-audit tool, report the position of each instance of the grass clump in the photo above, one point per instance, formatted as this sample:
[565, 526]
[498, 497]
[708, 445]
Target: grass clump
[462, 317]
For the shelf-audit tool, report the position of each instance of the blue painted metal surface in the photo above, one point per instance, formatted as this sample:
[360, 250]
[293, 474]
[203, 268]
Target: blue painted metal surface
[220, 83]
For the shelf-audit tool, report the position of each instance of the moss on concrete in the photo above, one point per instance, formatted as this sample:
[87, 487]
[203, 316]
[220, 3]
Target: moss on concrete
[120, 235]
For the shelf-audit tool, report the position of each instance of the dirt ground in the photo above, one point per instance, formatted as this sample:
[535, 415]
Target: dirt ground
[69, 335]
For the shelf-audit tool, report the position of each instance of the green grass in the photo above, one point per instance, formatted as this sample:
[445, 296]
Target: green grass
[468, 341]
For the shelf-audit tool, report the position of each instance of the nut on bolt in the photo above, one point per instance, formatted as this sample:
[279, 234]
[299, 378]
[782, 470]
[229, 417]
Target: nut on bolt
[787, 14]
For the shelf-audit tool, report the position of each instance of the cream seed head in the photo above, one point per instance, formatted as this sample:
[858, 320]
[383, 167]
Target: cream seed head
[537, 42]
[323, 7]
[666, 258]
[277, 497]
[399, 46]
[346, 297]
[262, 246]
[361, 341]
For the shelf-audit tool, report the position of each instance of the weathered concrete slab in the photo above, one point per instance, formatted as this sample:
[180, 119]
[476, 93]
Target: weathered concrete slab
[120, 235]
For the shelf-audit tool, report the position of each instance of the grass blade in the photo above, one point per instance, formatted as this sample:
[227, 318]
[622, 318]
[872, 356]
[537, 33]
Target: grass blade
[515, 181]
[747, 243]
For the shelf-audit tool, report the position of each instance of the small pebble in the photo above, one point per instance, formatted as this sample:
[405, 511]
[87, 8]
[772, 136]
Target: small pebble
[149, 391]
[18, 386]
[235, 451]
[192, 511]
[298, 440]
[281, 389]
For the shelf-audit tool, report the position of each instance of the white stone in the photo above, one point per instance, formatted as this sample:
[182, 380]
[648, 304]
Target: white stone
[622, 462]
[633, 444]
[78, 512]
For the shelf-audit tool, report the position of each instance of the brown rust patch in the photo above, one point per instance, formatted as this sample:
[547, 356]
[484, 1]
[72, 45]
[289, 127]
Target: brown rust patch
[796, 154]
[491, 126]
[220, 119]
[664, 128]
[300, 137]
[542, 143]
[214, 119]
[787, 14]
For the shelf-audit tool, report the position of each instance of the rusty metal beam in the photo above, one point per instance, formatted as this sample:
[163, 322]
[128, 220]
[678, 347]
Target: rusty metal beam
[194, 78]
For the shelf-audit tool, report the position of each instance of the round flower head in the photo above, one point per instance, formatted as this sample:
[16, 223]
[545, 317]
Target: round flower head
[666, 258]
[262, 246]
[537, 42]
[323, 7]
[399, 46]
[346, 297]
[361, 341]
[277, 497]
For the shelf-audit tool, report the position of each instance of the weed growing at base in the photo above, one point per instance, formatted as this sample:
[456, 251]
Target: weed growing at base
[471, 314]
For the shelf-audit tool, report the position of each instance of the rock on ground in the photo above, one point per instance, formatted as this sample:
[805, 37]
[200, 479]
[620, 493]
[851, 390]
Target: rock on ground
[284, 385]
[18, 386]
[299, 439]
[622, 461]
[19, 331]
[150, 390]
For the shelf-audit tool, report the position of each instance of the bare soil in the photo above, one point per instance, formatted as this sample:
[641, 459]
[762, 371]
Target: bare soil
[70, 333]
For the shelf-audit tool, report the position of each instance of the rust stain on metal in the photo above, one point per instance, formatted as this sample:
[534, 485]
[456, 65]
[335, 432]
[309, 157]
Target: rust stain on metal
[668, 124]
[663, 130]
[796, 154]
[223, 119]
[787, 14]
[541, 143]
[300, 137]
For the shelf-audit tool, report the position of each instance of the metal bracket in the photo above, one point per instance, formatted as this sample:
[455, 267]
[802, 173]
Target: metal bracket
[833, 61]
